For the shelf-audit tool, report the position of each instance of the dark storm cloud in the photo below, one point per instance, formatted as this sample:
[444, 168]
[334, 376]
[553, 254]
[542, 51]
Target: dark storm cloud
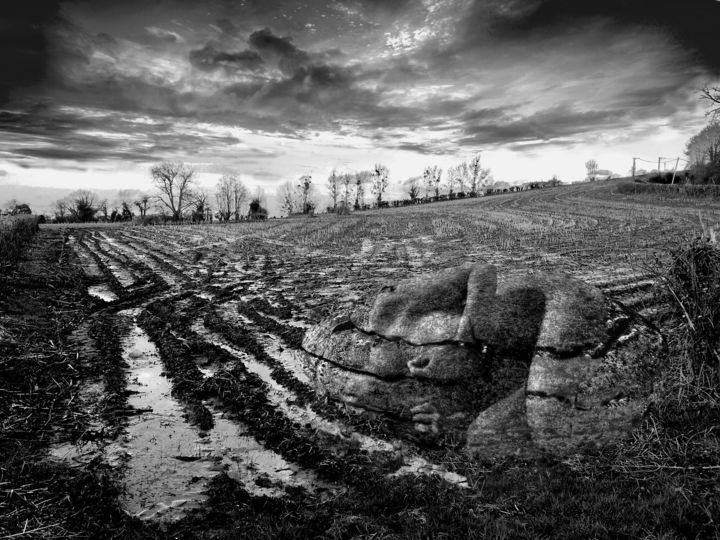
[554, 123]
[244, 90]
[210, 58]
[133, 94]
[111, 136]
[401, 68]
[693, 23]
[421, 148]
[327, 96]
[486, 114]
[23, 43]
[267, 43]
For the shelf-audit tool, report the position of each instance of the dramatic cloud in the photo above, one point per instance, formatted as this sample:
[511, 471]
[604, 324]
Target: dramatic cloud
[289, 56]
[164, 36]
[210, 58]
[139, 81]
[24, 54]
[692, 22]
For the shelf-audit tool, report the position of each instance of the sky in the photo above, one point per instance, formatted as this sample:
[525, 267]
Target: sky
[94, 92]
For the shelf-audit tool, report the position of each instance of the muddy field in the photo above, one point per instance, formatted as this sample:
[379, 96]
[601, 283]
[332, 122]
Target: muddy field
[185, 389]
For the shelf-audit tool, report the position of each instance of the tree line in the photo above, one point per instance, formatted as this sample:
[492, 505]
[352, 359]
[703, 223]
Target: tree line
[177, 197]
[348, 190]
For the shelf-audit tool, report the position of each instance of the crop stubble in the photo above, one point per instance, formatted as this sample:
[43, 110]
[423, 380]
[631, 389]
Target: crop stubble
[212, 293]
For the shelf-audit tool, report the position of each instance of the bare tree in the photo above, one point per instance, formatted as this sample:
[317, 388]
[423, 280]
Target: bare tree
[123, 203]
[142, 201]
[699, 144]
[347, 182]
[479, 177]
[60, 207]
[413, 188]
[712, 94]
[380, 181]
[230, 195]
[703, 151]
[437, 171]
[175, 181]
[304, 186]
[360, 179]
[239, 195]
[334, 188]
[463, 176]
[288, 200]
[428, 180]
[592, 168]
[83, 205]
[451, 178]
[224, 196]
[104, 207]
[200, 204]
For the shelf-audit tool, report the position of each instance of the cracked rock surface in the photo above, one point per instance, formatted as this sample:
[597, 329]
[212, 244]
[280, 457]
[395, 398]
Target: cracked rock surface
[513, 363]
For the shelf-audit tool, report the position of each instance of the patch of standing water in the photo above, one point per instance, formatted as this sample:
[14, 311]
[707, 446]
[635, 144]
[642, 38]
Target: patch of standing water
[170, 462]
[103, 292]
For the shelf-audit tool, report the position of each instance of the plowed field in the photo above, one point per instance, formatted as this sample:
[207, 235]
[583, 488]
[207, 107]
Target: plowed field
[198, 329]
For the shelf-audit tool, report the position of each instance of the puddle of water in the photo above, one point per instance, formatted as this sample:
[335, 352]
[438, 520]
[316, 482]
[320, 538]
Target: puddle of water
[418, 465]
[103, 292]
[171, 461]
[279, 396]
[208, 371]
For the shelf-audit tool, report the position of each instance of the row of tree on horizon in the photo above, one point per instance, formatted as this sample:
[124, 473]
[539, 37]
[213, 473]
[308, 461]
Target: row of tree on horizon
[177, 196]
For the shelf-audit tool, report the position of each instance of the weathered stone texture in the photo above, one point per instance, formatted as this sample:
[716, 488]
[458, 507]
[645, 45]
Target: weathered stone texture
[423, 349]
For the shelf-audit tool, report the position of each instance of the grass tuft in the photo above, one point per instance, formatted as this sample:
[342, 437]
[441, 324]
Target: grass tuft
[15, 233]
[692, 288]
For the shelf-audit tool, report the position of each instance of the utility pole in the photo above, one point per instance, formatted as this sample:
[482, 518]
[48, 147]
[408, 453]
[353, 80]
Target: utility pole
[633, 173]
[659, 164]
[677, 162]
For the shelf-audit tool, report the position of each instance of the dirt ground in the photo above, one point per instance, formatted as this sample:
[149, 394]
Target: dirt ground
[153, 382]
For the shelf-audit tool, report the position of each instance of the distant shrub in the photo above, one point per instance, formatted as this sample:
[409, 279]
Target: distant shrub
[154, 219]
[663, 178]
[15, 232]
[675, 190]
[256, 211]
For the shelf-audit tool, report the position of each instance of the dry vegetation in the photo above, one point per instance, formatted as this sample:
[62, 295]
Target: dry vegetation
[226, 306]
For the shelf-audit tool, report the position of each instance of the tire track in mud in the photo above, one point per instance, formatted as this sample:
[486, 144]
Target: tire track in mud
[290, 392]
[268, 282]
[132, 252]
[156, 253]
[326, 449]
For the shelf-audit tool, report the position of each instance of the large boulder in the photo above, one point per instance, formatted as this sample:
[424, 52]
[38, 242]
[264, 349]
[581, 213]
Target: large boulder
[515, 362]
[595, 396]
